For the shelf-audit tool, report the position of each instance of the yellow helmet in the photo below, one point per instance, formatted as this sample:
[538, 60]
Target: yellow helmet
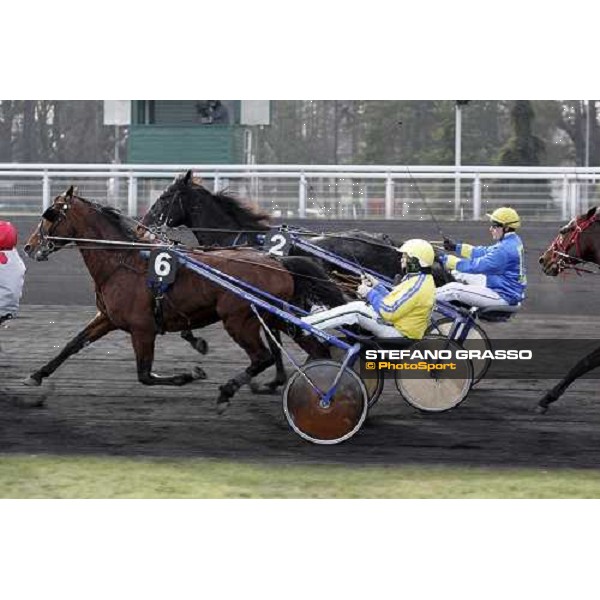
[419, 249]
[507, 216]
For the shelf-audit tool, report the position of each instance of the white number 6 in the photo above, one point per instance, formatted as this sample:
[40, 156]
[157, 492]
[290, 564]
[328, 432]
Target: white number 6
[162, 264]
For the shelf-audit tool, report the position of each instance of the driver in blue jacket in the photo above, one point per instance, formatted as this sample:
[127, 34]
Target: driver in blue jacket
[488, 275]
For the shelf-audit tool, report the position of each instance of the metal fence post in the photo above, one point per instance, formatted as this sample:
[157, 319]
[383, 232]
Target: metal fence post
[573, 200]
[389, 197]
[302, 196]
[132, 204]
[476, 198]
[46, 190]
[565, 198]
[216, 183]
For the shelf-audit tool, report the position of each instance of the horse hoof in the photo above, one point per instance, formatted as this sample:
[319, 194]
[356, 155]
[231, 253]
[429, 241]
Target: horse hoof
[541, 409]
[32, 382]
[201, 346]
[222, 406]
[198, 373]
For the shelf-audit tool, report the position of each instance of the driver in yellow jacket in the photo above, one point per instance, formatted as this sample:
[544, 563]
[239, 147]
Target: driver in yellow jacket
[403, 312]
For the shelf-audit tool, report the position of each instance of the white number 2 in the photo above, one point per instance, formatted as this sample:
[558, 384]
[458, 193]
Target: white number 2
[278, 242]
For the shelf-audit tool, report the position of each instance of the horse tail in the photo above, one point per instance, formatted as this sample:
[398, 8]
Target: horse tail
[312, 285]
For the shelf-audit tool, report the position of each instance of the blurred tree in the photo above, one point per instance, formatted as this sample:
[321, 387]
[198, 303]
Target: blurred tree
[55, 131]
[8, 111]
[333, 132]
[523, 148]
[572, 119]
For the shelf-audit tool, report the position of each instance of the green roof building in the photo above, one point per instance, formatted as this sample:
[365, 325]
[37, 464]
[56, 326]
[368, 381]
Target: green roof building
[186, 132]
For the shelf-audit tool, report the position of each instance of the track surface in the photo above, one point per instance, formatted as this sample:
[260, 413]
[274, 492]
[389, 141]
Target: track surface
[94, 405]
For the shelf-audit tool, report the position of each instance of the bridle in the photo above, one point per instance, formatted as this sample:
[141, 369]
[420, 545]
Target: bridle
[562, 243]
[54, 215]
[163, 219]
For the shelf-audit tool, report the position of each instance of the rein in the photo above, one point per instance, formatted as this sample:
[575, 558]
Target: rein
[116, 244]
[122, 245]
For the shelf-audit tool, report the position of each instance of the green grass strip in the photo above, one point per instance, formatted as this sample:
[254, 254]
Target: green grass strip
[96, 477]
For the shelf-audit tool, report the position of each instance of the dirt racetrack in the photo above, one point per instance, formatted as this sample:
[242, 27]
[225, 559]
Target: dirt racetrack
[94, 405]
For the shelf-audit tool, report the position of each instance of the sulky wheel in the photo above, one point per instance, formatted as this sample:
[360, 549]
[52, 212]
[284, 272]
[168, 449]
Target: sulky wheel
[319, 424]
[438, 390]
[477, 339]
[373, 384]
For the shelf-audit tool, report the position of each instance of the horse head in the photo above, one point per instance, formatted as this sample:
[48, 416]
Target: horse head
[576, 242]
[56, 221]
[215, 217]
[171, 208]
[71, 218]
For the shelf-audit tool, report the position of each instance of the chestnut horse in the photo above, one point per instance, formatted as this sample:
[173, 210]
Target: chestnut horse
[577, 243]
[125, 301]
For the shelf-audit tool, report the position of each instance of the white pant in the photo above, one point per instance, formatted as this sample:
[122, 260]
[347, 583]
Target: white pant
[472, 295]
[354, 313]
[470, 278]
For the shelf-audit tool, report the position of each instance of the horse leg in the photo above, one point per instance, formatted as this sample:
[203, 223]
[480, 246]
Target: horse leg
[587, 363]
[281, 374]
[312, 346]
[97, 328]
[197, 343]
[245, 332]
[143, 346]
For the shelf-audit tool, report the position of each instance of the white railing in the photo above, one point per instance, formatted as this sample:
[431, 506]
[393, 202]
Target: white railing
[320, 191]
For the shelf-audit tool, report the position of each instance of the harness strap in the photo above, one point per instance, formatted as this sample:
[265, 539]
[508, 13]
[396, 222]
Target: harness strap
[560, 247]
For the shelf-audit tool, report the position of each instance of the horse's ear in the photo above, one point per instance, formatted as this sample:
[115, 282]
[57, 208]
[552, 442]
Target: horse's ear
[69, 193]
[188, 177]
[591, 213]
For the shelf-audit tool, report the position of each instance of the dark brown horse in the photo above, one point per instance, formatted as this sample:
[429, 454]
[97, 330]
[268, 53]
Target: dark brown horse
[125, 302]
[224, 220]
[576, 244]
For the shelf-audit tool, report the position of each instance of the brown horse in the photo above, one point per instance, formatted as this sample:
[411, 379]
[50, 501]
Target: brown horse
[576, 244]
[125, 301]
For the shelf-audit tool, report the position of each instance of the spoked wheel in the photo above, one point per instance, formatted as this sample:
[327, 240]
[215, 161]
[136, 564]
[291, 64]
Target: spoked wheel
[373, 385]
[437, 390]
[477, 339]
[310, 418]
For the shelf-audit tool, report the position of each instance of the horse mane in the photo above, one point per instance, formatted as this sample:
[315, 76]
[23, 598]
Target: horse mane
[244, 213]
[126, 225]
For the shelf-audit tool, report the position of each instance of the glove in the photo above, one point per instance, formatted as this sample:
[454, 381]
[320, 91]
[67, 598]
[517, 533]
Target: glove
[363, 290]
[449, 245]
[449, 261]
[370, 280]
